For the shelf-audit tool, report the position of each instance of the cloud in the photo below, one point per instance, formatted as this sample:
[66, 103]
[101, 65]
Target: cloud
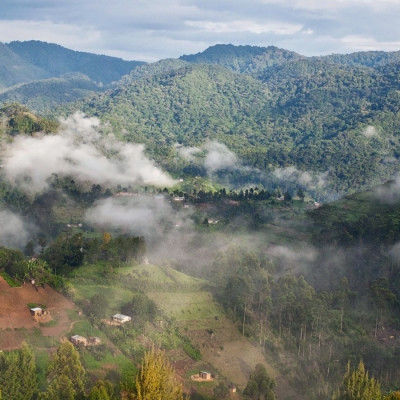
[310, 180]
[14, 232]
[293, 255]
[81, 151]
[218, 157]
[275, 27]
[68, 34]
[394, 252]
[187, 153]
[389, 192]
[214, 156]
[150, 31]
[145, 216]
[370, 131]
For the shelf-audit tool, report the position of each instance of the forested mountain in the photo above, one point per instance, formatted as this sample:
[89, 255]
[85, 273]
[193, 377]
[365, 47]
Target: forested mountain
[243, 59]
[45, 94]
[309, 113]
[14, 69]
[57, 60]
[43, 75]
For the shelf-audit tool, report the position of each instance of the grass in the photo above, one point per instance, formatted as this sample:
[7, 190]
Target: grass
[187, 306]
[53, 322]
[85, 328]
[11, 281]
[34, 305]
[114, 294]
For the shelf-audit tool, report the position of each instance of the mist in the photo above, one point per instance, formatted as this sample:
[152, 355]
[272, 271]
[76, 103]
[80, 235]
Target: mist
[14, 232]
[79, 150]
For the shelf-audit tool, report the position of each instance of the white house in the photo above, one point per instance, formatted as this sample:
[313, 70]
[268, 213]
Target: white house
[121, 319]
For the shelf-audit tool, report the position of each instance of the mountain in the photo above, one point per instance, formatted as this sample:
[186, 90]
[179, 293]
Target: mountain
[45, 94]
[335, 120]
[44, 75]
[57, 60]
[14, 69]
[243, 59]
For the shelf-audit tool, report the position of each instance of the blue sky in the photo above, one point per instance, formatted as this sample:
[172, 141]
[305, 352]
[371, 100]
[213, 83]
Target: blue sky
[150, 30]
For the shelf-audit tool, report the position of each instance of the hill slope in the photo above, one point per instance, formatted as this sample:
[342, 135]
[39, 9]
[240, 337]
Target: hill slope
[314, 115]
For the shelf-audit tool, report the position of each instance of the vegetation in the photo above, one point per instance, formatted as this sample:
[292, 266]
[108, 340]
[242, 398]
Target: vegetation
[314, 287]
[156, 379]
[260, 385]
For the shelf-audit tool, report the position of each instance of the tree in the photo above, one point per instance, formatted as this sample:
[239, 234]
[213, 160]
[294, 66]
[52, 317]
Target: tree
[18, 374]
[97, 306]
[156, 379]
[390, 396]
[260, 386]
[13, 262]
[357, 385]
[66, 366]
[221, 391]
[60, 388]
[103, 390]
[27, 372]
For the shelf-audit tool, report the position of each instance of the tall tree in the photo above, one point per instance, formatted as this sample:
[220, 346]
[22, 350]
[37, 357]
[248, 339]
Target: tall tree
[66, 365]
[18, 374]
[260, 386]
[60, 388]
[27, 373]
[357, 385]
[156, 379]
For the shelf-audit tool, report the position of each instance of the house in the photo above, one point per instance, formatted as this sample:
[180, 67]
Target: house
[78, 340]
[205, 375]
[232, 388]
[36, 311]
[120, 318]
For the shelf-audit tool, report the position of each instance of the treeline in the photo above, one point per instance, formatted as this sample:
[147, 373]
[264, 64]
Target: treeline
[67, 378]
[67, 252]
[321, 329]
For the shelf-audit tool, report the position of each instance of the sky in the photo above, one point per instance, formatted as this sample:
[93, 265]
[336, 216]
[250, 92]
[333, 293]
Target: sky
[150, 30]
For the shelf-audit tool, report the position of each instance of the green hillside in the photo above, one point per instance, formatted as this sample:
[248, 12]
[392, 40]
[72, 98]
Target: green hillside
[317, 116]
[43, 95]
[243, 59]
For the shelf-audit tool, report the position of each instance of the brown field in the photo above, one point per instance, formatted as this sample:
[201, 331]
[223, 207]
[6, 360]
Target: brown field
[16, 320]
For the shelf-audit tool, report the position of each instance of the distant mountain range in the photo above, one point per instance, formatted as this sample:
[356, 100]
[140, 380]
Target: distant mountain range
[332, 120]
[42, 75]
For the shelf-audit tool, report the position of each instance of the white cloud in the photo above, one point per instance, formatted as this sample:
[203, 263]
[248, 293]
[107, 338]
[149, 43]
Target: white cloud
[48, 31]
[218, 157]
[242, 26]
[370, 131]
[311, 180]
[14, 231]
[78, 150]
[368, 43]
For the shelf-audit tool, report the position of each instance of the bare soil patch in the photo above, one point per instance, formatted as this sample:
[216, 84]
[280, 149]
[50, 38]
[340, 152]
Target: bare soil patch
[15, 316]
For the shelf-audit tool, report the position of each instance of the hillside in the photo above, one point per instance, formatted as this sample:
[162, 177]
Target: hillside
[243, 59]
[14, 69]
[322, 118]
[44, 95]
